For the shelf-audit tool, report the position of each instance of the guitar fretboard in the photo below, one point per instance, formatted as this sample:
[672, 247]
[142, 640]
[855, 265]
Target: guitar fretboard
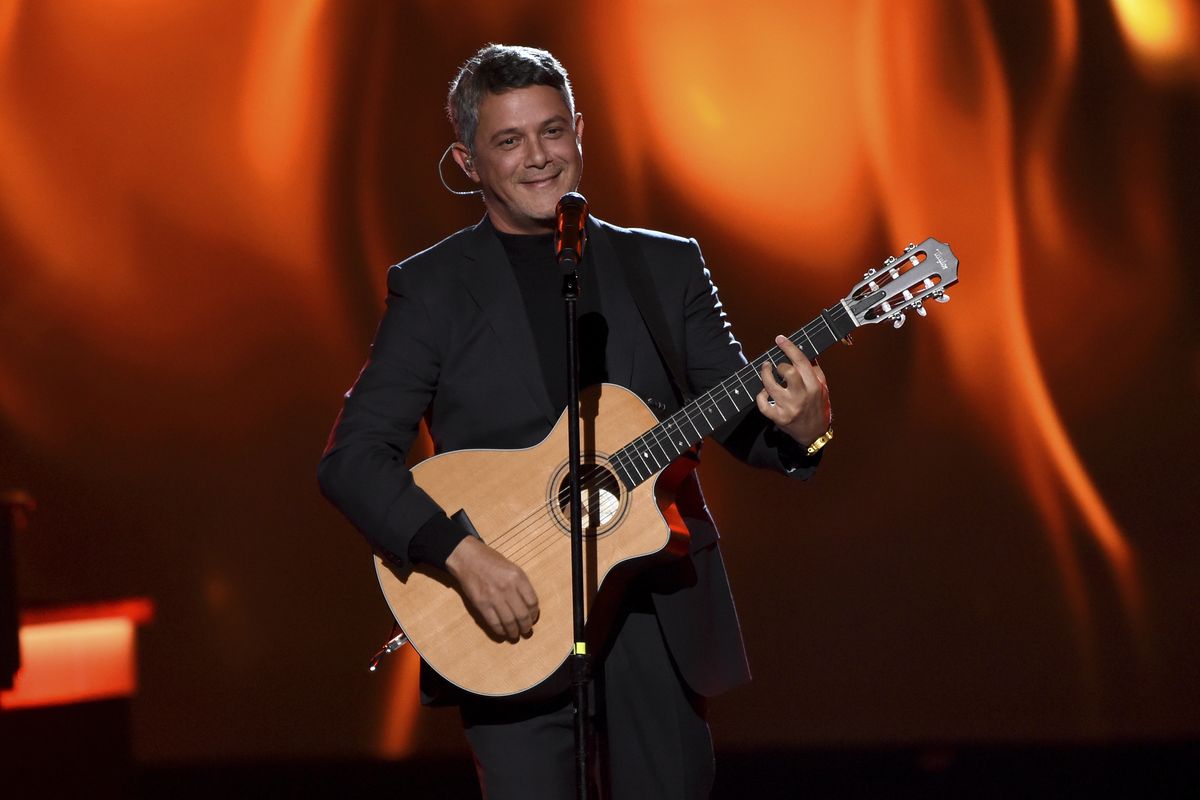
[651, 452]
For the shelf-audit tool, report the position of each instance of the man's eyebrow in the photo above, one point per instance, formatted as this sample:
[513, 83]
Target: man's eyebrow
[559, 118]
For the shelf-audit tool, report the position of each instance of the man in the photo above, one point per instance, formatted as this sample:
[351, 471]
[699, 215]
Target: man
[472, 341]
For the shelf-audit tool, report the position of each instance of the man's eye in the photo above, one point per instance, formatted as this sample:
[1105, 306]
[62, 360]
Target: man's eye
[553, 131]
[509, 142]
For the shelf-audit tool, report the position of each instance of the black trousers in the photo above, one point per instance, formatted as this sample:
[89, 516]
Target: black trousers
[653, 741]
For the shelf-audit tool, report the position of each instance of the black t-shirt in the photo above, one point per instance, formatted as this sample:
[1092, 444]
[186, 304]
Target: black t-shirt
[540, 279]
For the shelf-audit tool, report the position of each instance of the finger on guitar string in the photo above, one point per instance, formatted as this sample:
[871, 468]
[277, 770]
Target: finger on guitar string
[768, 398]
[533, 610]
[798, 365]
[516, 620]
[494, 587]
[800, 409]
[516, 623]
[492, 618]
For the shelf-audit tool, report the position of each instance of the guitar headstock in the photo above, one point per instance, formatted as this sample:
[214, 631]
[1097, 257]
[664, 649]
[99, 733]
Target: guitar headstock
[923, 271]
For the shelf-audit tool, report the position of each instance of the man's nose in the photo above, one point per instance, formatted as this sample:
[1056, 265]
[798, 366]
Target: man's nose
[536, 154]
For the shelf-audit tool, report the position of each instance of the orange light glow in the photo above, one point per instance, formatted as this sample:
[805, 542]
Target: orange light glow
[74, 654]
[902, 112]
[398, 727]
[981, 216]
[756, 140]
[1161, 32]
[74, 662]
[108, 192]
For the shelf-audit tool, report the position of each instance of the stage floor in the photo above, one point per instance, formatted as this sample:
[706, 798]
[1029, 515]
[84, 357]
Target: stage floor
[1142, 770]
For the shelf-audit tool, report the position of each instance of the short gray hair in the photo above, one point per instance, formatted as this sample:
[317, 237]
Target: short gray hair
[495, 69]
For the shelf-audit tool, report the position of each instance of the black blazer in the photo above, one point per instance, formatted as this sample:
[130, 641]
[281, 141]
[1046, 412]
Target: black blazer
[455, 348]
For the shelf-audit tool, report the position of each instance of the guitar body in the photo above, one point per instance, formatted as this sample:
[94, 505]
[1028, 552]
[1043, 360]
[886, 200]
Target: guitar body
[515, 499]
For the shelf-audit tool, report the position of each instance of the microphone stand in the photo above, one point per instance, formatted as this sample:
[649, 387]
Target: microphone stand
[580, 668]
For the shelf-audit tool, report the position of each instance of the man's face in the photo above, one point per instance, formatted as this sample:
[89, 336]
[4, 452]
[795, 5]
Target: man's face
[527, 156]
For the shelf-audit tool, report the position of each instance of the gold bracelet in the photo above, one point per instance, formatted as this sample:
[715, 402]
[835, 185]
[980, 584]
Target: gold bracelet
[822, 440]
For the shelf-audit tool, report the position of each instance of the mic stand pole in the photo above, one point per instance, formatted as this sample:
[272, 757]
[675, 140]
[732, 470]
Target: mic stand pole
[580, 668]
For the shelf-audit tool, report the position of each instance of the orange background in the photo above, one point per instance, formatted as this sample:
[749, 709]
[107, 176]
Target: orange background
[198, 201]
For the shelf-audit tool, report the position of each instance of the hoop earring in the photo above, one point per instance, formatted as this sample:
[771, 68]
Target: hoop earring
[442, 176]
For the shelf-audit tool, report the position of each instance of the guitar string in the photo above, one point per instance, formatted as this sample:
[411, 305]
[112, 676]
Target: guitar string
[506, 544]
[512, 540]
[600, 480]
[710, 398]
[539, 542]
[526, 536]
[688, 414]
[537, 551]
[695, 410]
[657, 435]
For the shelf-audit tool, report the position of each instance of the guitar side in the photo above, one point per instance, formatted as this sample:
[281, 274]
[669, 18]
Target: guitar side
[510, 498]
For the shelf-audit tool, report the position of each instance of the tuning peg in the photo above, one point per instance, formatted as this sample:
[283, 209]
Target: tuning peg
[887, 262]
[920, 308]
[898, 320]
[942, 297]
[911, 246]
[868, 273]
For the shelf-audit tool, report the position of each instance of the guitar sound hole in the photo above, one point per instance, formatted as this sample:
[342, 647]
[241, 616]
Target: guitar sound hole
[601, 490]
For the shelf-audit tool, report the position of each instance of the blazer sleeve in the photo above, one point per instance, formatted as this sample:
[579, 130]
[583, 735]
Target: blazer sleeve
[712, 353]
[363, 471]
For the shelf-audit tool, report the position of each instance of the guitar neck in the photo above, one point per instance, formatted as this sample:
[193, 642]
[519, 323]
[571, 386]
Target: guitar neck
[651, 452]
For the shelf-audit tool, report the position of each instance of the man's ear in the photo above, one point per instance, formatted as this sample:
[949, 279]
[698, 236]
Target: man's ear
[462, 157]
[579, 129]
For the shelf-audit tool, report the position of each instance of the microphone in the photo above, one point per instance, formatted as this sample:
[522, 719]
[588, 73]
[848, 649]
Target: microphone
[570, 234]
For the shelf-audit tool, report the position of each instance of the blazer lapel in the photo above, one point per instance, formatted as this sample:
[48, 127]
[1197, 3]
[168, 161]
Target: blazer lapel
[619, 309]
[485, 272]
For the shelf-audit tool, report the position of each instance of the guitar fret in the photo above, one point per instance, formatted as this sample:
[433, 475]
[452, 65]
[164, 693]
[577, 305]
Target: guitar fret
[812, 348]
[680, 443]
[647, 454]
[719, 411]
[638, 450]
[729, 396]
[661, 442]
[832, 335]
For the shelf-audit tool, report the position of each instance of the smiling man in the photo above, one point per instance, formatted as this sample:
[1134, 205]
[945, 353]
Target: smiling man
[472, 342]
[524, 151]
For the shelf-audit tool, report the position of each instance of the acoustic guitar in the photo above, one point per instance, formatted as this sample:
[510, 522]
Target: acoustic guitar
[516, 500]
